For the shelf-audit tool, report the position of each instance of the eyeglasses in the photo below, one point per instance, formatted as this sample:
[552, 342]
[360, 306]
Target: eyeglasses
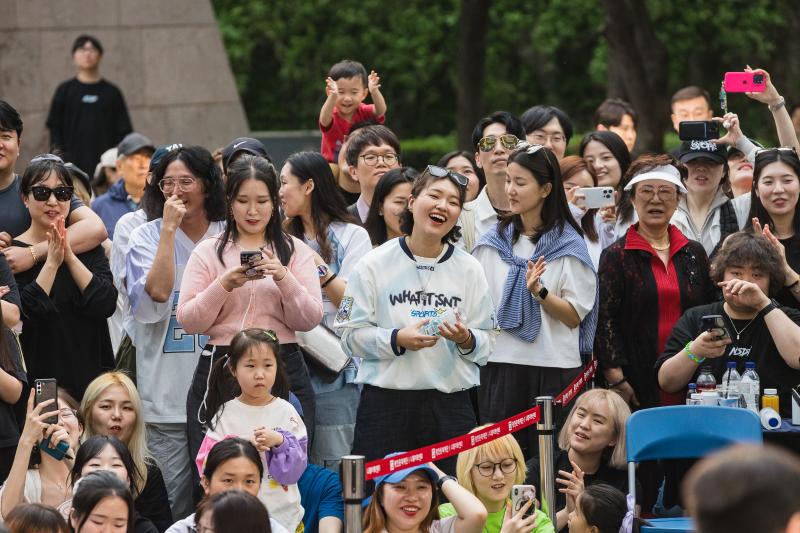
[169, 184]
[554, 138]
[664, 193]
[507, 140]
[42, 193]
[487, 468]
[439, 172]
[372, 159]
[67, 412]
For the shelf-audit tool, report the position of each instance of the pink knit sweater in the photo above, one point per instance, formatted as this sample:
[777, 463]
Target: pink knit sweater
[292, 304]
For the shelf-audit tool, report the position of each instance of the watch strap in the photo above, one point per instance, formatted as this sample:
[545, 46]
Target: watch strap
[442, 479]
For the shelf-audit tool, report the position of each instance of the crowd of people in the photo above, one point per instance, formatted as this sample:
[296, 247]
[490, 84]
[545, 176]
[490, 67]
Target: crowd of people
[223, 330]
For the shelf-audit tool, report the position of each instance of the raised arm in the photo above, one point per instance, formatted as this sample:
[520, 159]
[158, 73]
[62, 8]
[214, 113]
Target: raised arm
[326, 113]
[470, 512]
[777, 106]
[161, 277]
[375, 93]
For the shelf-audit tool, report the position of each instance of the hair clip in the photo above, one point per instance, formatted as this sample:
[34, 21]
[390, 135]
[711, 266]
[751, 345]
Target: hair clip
[270, 334]
[529, 148]
[47, 157]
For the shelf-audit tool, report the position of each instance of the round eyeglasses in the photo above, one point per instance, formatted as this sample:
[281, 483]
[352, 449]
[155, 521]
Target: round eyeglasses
[487, 468]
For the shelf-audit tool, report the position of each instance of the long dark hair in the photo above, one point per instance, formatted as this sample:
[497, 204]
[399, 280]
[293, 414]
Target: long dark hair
[327, 203]
[223, 387]
[375, 223]
[235, 510]
[257, 168]
[93, 447]
[555, 211]
[619, 150]
[421, 183]
[757, 209]
[92, 489]
[202, 166]
[569, 166]
[603, 507]
[231, 448]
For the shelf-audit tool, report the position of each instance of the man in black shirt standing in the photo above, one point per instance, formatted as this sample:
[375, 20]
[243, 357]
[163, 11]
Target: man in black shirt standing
[88, 114]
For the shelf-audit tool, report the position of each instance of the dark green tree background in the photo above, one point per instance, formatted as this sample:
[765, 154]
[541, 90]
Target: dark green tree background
[568, 53]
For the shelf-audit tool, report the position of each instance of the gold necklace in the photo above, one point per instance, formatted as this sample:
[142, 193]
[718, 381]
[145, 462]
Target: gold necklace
[660, 248]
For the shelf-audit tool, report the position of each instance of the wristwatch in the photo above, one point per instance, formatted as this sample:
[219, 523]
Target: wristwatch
[777, 105]
[322, 270]
[542, 294]
[442, 479]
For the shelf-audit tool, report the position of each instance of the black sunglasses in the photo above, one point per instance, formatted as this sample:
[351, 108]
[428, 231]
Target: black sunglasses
[42, 193]
[439, 172]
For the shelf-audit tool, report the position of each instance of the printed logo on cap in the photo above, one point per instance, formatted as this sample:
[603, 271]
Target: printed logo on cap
[706, 146]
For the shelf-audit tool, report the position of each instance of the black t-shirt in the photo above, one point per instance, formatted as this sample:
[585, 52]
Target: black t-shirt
[9, 430]
[792, 247]
[86, 119]
[753, 342]
[15, 219]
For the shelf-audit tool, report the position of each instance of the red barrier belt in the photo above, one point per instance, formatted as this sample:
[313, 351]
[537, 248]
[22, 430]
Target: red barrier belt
[447, 448]
[568, 394]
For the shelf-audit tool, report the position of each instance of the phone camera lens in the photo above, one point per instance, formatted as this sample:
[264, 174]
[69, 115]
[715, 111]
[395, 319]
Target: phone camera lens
[758, 78]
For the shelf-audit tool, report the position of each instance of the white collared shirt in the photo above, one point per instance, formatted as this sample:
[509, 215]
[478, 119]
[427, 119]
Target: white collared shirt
[484, 216]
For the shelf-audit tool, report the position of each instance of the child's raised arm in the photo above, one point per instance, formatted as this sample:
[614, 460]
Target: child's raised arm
[326, 113]
[375, 92]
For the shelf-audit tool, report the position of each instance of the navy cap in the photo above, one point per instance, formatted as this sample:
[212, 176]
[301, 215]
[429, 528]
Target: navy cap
[160, 152]
[132, 143]
[243, 144]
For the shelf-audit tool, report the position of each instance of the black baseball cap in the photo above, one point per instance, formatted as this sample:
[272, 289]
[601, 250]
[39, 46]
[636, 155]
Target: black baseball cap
[243, 144]
[691, 150]
[132, 143]
[160, 152]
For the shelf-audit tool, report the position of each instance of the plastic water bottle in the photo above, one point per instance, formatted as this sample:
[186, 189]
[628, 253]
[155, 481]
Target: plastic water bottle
[751, 386]
[692, 390]
[731, 385]
[706, 381]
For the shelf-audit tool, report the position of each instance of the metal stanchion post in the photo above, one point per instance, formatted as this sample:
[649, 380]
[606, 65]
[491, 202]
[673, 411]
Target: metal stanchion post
[546, 437]
[353, 491]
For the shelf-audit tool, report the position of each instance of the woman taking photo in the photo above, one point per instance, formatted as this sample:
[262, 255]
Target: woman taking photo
[417, 310]
[464, 163]
[111, 407]
[408, 500]
[544, 288]
[316, 213]
[277, 289]
[648, 279]
[66, 298]
[389, 202]
[607, 154]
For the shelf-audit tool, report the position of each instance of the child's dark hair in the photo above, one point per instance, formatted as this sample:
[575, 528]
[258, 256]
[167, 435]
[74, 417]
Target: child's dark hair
[555, 210]
[35, 518]
[512, 124]
[93, 447]
[376, 135]
[375, 224]
[539, 115]
[348, 68]
[40, 168]
[235, 510]
[603, 507]
[10, 119]
[327, 203]
[92, 489]
[619, 150]
[257, 168]
[612, 111]
[81, 41]
[469, 156]
[223, 386]
[422, 182]
[231, 448]
[201, 164]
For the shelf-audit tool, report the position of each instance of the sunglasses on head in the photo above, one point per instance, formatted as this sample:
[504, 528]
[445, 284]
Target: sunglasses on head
[507, 140]
[42, 193]
[529, 148]
[47, 157]
[439, 172]
[790, 150]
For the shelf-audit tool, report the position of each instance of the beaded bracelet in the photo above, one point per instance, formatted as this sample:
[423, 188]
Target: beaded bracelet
[691, 356]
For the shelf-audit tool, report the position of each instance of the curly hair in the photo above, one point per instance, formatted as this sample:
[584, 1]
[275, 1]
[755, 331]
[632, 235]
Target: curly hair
[748, 248]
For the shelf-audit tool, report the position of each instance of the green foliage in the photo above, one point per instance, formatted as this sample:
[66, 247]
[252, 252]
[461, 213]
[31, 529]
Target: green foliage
[420, 152]
[547, 51]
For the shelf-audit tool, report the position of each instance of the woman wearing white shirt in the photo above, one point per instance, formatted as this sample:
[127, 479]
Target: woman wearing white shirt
[544, 287]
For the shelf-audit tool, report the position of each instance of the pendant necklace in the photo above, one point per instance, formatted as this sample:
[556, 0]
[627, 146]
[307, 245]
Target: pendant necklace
[739, 332]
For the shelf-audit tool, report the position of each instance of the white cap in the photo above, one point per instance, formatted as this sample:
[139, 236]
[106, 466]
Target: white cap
[108, 159]
[668, 173]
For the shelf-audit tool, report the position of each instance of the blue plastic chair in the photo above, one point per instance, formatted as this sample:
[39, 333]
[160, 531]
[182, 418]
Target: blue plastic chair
[684, 432]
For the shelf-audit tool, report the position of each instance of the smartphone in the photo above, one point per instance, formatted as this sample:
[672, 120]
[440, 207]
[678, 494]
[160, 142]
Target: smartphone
[745, 82]
[698, 130]
[520, 495]
[247, 258]
[710, 322]
[47, 389]
[596, 197]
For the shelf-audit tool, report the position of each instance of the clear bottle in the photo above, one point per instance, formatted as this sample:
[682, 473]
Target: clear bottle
[730, 385]
[751, 386]
[706, 381]
[692, 390]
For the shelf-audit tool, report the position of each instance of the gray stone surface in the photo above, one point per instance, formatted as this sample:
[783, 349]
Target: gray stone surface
[166, 56]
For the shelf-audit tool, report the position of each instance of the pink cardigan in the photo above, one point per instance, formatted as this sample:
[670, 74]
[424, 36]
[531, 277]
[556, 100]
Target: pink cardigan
[292, 304]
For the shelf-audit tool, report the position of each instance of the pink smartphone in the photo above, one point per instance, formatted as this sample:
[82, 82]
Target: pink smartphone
[745, 82]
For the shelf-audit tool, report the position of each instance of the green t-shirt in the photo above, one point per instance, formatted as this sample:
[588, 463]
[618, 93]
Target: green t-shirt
[495, 520]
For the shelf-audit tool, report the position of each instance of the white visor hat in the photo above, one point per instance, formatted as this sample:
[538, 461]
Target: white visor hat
[668, 173]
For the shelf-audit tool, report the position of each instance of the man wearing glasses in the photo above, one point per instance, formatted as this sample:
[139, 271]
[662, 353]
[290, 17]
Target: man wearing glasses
[88, 114]
[494, 138]
[372, 151]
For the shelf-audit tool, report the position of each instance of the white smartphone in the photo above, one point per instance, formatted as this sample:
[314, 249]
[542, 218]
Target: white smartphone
[520, 495]
[596, 197]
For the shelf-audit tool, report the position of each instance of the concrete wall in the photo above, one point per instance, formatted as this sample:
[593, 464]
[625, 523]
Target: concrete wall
[166, 56]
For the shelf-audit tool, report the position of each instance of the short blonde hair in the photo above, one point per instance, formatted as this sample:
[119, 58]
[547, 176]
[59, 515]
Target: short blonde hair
[618, 413]
[505, 446]
[137, 444]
